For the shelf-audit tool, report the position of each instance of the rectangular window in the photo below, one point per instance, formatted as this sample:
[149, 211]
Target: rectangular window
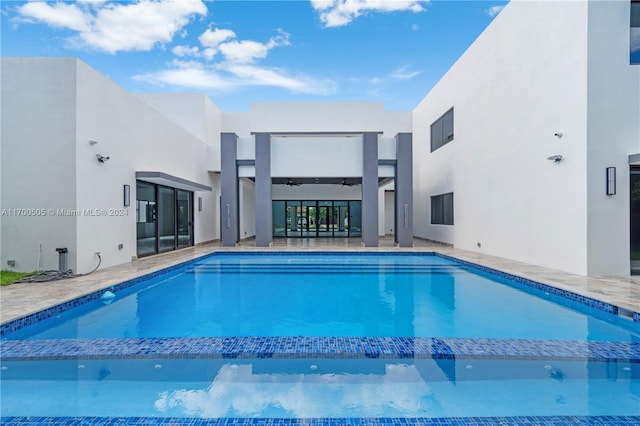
[634, 33]
[442, 130]
[442, 209]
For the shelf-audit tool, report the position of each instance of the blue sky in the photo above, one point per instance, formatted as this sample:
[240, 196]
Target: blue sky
[240, 52]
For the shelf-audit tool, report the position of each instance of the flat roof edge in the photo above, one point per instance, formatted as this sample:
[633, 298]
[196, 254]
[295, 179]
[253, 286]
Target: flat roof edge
[171, 181]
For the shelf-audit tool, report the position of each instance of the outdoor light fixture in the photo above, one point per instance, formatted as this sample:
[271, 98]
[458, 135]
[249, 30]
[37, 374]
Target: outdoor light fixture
[93, 142]
[127, 196]
[611, 181]
[199, 204]
[558, 134]
[102, 159]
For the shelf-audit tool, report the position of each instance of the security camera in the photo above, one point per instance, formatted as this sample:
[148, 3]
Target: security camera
[555, 158]
[102, 159]
[558, 134]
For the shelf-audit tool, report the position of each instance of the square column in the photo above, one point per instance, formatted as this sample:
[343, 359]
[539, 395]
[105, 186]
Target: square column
[404, 190]
[229, 189]
[370, 189]
[264, 219]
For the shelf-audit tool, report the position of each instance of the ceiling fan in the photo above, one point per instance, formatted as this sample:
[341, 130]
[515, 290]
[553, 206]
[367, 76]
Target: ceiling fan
[292, 183]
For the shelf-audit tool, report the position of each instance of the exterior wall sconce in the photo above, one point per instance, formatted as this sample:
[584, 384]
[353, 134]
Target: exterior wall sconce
[611, 181]
[126, 196]
[199, 204]
[93, 142]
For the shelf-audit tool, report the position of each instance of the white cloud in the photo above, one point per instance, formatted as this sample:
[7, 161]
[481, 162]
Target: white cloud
[113, 27]
[60, 15]
[494, 10]
[212, 38]
[403, 73]
[238, 388]
[247, 51]
[93, 2]
[260, 76]
[337, 13]
[243, 51]
[227, 76]
[186, 51]
[190, 75]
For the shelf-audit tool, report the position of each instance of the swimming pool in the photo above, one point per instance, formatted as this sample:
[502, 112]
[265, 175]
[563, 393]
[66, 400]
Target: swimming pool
[389, 338]
[355, 295]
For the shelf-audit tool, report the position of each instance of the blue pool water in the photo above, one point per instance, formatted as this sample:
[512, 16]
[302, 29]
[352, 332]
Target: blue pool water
[332, 295]
[320, 388]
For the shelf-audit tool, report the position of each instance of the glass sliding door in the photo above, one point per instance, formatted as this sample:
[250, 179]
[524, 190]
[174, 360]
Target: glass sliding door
[293, 219]
[355, 218]
[341, 218]
[311, 218]
[184, 217]
[166, 219]
[323, 224]
[279, 218]
[146, 218]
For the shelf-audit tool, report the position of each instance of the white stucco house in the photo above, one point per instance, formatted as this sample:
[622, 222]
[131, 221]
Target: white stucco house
[528, 148]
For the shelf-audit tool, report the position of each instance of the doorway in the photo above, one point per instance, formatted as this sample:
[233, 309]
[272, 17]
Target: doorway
[164, 218]
[317, 218]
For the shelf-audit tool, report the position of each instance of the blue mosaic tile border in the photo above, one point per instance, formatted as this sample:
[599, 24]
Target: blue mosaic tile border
[325, 347]
[424, 421]
[527, 283]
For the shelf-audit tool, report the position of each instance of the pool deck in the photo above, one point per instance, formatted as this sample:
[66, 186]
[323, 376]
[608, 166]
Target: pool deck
[18, 300]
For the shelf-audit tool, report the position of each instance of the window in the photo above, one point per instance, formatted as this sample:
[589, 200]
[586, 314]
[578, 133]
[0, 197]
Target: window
[634, 36]
[442, 209]
[442, 130]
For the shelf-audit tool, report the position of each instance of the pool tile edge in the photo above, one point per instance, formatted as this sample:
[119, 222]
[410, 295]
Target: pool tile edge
[390, 421]
[310, 347]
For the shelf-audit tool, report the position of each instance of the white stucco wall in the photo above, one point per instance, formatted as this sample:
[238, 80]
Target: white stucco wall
[38, 161]
[189, 110]
[52, 164]
[521, 81]
[136, 137]
[613, 131]
[334, 156]
[316, 117]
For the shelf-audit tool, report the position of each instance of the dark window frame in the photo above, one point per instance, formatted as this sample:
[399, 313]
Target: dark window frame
[440, 214]
[442, 130]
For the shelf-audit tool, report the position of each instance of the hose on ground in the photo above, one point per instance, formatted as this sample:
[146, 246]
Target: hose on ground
[47, 276]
